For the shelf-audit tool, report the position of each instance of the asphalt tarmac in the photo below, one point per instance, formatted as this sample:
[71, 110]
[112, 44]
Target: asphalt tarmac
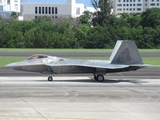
[122, 96]
[79, 98]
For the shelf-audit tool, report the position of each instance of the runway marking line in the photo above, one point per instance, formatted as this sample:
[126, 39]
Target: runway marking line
[41, 117]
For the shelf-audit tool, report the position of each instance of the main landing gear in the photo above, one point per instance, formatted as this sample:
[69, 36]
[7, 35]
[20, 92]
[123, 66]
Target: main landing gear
[50, 78]
[99, 77]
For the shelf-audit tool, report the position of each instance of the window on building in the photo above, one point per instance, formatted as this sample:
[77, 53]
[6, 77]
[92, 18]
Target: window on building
[39, 10]
[133, 9]
[42, 10]
[35, 17]
[130, 0]
[123, 9]
[8, 1]
[119, 9]
[119, 4]
[49, 10]
[157, 0]
[133, 4]
[35, 10]
[157, 4]
[145, 4]
[123, 4]
[1, 8]
[119, 13]
[124, 1]
[130, 9]
[78, 11]
[134, 0]
[52, 10]
[138, 9]
[56, 10]
[46, 10]
[139, 0]
[145, 0]
[130, 4]
[127, 9]
[56, 17]
[16, 6]
[119, 0]
[127, 0]
[127, 4]
[139, 4]
[152, 0]
[152, 4]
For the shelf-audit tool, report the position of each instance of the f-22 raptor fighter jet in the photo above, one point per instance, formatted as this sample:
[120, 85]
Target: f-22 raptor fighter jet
[125, 57]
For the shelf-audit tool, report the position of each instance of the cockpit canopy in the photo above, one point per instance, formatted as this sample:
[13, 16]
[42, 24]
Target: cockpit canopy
[37, 56]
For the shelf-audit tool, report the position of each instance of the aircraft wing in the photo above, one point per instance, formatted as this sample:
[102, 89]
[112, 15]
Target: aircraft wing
[101, 66]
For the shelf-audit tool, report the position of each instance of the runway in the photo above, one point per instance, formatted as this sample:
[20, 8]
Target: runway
[79, 98]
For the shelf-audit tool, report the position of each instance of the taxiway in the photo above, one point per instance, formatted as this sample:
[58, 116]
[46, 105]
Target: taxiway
[80, 98]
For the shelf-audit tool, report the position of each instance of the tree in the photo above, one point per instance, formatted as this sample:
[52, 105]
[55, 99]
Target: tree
[85, 18]
[151, 17]
[103, 13]
[131, 20]
[14, 15]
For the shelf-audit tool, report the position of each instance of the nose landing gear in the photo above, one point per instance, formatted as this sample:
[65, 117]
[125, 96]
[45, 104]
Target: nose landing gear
[50, 78]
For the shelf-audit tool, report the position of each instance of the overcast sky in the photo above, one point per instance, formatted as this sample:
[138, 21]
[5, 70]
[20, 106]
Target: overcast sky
[87, 3]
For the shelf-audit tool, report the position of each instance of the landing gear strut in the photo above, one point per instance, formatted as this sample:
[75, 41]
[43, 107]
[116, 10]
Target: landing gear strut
[50, 78]
[99, 77]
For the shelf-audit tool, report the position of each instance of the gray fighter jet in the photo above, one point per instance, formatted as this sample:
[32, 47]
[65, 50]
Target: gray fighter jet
[125, 57]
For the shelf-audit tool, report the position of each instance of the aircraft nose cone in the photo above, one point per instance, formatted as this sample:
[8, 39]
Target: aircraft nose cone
[11, 65]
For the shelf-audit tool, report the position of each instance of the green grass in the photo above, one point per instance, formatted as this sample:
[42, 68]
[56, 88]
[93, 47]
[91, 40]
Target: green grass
[67, 50]
[146, 60]
[6, 60]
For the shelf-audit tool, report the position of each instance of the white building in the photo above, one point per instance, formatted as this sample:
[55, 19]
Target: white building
[10, 5]
[55, 10]
[133, 6]
[90, 9]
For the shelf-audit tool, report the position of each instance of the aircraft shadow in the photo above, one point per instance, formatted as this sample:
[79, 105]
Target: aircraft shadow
[105, 81]
[136, 81]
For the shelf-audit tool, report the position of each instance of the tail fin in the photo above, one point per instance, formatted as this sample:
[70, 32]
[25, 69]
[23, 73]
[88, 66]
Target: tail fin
[125, 52]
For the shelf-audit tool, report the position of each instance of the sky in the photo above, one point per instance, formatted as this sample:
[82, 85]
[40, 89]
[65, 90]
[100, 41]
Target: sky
[87, 3]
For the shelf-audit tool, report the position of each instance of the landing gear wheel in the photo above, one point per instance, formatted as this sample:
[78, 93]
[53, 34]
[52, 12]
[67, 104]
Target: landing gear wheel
[50, 78]
[100, 78]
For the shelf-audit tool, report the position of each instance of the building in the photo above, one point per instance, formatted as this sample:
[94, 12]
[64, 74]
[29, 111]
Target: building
[133, 6]
[55, 10]
[10, 5]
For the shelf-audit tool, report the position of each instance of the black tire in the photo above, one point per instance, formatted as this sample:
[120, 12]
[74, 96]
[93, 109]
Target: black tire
[100, 78]
[50, 78]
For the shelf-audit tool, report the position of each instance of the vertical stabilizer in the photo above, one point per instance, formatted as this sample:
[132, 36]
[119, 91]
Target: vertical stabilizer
[125, 52]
